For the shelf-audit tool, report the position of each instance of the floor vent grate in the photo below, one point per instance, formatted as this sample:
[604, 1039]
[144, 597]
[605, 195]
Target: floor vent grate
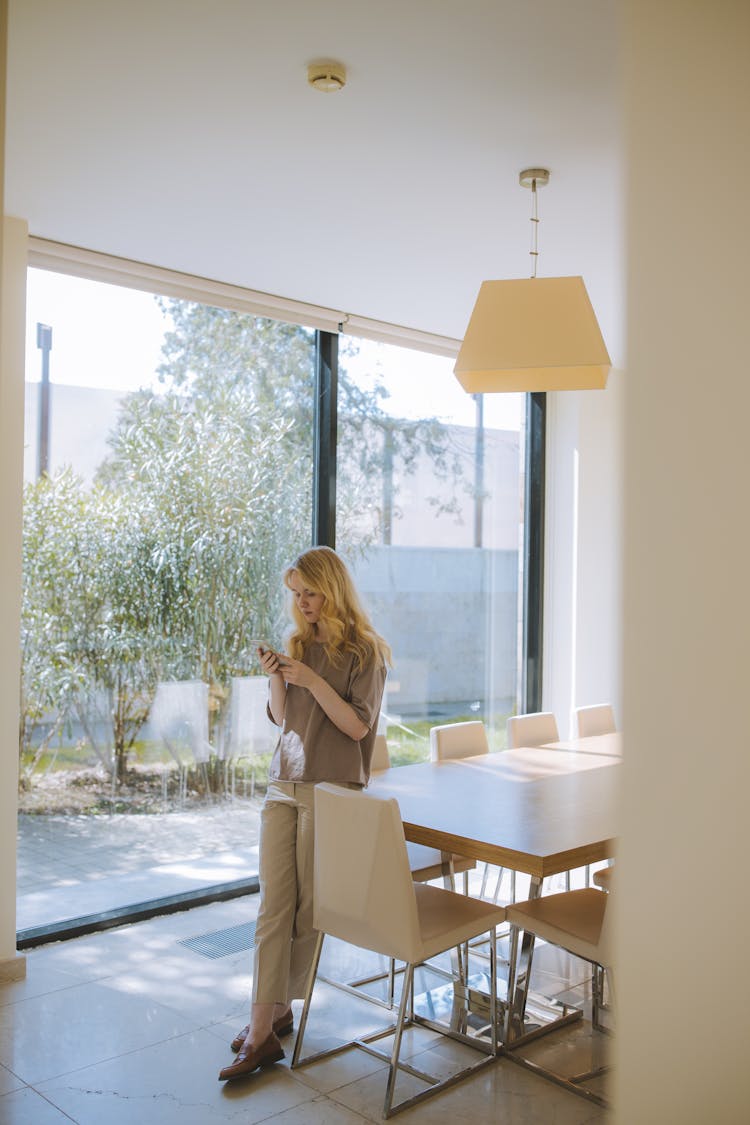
[220, 943]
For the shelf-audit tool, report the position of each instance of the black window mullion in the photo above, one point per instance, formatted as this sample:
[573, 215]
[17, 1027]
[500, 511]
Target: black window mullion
[533, 562]
[325, 424]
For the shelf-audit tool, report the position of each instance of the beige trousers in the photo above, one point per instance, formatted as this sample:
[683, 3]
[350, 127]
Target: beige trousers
[284, 934]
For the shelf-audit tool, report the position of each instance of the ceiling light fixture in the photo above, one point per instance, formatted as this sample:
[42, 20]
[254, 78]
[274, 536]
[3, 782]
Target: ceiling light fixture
[534, 334]
[327, 76]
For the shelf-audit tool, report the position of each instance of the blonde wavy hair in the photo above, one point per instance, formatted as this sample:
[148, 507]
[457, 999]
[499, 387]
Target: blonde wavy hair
[348, 628]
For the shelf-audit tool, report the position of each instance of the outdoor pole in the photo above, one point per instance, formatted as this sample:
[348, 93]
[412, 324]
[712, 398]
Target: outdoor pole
[44, 341]
[479, 470]
[388, 485]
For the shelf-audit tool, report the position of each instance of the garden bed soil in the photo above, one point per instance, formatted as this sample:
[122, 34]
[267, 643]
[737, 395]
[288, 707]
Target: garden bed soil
[91, 792]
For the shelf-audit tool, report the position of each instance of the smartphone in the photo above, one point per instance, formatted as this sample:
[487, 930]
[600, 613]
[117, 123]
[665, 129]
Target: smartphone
[264, 648]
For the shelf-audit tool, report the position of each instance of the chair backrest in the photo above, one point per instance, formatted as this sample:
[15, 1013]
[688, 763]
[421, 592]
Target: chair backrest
[599, 719]
[381, 758]
[458, 740]
[179, 718]
[363, 889]
[250, 731]
[603, 878]
[534, 729]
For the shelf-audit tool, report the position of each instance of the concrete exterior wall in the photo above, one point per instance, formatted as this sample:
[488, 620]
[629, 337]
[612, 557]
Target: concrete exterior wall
[429, 604]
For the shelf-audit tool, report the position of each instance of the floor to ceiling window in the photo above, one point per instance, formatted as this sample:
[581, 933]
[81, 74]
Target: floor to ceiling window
[168, 480]
[177, 455]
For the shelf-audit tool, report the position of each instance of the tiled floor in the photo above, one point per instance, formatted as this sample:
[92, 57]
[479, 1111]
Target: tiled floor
[130, 1026]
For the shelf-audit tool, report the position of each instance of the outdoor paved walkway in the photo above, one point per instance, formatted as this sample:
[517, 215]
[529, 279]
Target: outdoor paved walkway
[70, 866]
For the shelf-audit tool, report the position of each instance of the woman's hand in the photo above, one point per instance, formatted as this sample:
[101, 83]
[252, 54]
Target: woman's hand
[284, 670]
[271, 662]
[297, 673]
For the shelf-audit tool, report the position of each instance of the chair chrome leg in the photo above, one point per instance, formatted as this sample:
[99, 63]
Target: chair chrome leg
[402, 1011]
[600, 978]
[493, 989]
[391, 982]
[509, 1030]
[308, 997]
[597, 995]
[520, 972]
[488, 1051]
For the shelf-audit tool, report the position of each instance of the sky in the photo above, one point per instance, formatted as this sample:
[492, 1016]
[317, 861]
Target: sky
[109, 336]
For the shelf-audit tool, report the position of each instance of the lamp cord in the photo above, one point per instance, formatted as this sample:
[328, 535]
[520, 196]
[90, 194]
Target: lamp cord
[534, 251]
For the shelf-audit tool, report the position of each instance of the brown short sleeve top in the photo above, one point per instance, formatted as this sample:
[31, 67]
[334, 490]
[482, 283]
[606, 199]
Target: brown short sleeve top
[310, 746]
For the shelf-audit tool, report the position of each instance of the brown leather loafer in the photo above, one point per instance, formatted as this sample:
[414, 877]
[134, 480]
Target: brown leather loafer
[282, 1026]
[269, 1051]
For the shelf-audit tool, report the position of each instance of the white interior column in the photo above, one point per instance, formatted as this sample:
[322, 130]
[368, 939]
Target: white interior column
[684, 998]
[12, 329]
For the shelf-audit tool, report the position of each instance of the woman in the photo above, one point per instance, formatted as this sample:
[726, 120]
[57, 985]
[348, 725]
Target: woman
[326, 696]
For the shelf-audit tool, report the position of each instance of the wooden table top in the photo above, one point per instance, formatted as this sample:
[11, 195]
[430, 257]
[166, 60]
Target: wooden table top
[610, 744]
[537, 810]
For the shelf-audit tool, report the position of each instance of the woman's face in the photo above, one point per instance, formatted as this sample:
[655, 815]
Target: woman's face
[307, 601]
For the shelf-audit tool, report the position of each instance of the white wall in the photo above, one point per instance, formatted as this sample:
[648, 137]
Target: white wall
[684, 997]
[583, 540]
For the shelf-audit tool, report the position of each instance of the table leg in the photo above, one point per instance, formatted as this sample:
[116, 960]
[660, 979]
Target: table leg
[519, 974]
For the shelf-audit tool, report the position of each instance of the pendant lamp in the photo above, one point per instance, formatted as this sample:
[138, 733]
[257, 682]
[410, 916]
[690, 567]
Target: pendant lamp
[533, 334]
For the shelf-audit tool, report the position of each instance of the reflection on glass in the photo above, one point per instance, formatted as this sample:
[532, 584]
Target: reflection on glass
[434, 538]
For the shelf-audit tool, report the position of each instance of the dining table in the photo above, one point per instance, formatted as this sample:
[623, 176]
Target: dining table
[539, 811]
[609, 744]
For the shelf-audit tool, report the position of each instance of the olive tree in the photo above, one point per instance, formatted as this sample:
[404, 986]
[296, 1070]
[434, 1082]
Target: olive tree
[54, 516]
[92, 618]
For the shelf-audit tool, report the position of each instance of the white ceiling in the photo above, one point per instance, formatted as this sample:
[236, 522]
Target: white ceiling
[183, 133]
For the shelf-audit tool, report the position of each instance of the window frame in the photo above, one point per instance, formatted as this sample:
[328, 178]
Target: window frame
[327, 324]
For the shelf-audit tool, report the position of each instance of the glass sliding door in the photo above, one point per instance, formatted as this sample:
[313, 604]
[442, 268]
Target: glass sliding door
[168, 480]
[430, 515]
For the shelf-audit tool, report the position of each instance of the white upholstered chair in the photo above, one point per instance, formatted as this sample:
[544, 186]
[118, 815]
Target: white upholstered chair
[580, 922]
[365, 895]
[535, 729]
[458, 740]
[597, 719]
[381, 758]
[426, 864]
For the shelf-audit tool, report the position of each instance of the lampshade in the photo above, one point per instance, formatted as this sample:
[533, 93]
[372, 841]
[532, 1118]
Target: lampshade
[533, 334]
